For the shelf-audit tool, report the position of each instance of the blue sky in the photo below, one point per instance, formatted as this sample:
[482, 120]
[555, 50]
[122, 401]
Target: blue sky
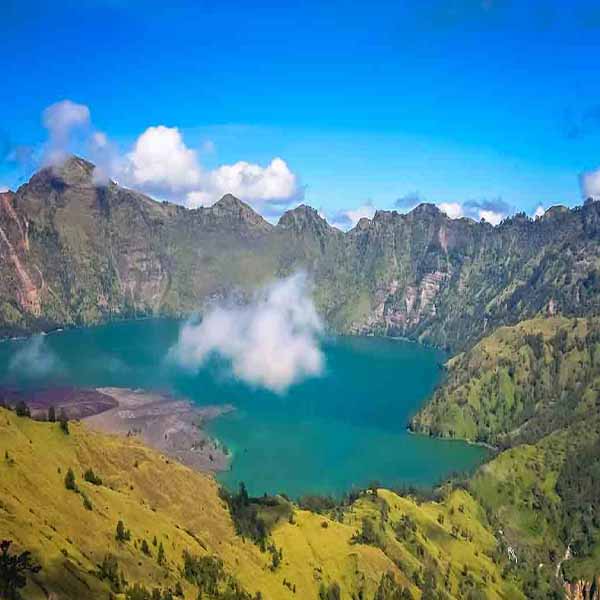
[456, 101]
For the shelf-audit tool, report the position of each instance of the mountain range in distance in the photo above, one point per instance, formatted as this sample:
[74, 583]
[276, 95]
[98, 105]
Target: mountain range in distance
[76, 253]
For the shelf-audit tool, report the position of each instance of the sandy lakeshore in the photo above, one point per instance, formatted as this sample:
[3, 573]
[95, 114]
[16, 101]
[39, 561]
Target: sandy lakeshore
[170, 425]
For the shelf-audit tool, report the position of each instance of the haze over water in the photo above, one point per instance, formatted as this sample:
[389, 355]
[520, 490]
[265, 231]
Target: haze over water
[325, 435]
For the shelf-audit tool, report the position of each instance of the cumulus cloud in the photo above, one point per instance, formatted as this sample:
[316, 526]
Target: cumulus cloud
[161, 160]
[34, 359]
[590, 184]
[453, 209]
[347, 219]
[539, 211]
[63, 120]
[495, 218]
[255, 183]
[272, 342]
[161, 164]
[492, 211]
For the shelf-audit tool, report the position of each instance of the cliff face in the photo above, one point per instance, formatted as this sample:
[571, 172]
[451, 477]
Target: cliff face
[76, 253]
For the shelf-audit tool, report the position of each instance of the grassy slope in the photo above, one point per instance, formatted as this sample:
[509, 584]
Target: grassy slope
[179, 506]
[536, 387]
[182, 509]
[505, 389]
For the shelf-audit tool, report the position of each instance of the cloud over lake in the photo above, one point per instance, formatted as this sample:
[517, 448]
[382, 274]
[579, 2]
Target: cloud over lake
[34, 359]
[272, 342]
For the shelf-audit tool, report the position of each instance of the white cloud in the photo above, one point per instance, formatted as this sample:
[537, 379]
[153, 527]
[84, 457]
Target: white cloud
[347, 219]
[161, 160]
[254, 183]
[539, 211]
[453, 209]
[3, 189]
[590, 184]
[491, 216]
[100, 139]
[492, 211]
[62, 120]
[273, 342]
[161, 164]
[34, 359]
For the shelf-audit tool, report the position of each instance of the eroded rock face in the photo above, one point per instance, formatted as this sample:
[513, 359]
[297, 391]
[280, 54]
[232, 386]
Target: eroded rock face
[75, 252]
[14, 246]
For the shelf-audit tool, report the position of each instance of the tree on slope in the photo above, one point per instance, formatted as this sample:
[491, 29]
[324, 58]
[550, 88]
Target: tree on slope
[14, 569]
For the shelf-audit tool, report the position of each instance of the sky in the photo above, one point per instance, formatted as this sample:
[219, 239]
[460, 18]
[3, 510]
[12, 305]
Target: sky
[483, 107]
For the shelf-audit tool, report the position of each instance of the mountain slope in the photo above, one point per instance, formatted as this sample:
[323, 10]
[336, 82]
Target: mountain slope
[536, 388]
[518, 384]
[448, 543]
[73, 252]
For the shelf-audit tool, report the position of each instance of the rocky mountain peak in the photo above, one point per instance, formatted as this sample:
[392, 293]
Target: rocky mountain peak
[74, 171]
[304, 218]
[230, 203]
[425, 209]
[233, 210]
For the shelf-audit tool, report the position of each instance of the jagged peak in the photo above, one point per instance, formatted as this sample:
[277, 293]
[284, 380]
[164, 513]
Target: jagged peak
[74, 170]
[301, 217]
[232, 209]
[365, 222]
[555, 211]
[425, 208]
[231, 203]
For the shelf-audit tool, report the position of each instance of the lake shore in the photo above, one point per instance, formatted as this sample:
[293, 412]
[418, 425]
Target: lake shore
[170, 425]
[174, 426]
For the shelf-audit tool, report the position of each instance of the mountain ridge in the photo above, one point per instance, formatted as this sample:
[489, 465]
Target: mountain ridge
[76, 253]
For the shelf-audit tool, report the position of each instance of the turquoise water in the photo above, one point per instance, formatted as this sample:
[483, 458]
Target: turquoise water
[326, 435]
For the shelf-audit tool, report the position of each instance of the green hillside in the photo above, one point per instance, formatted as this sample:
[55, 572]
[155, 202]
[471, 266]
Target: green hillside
[535, 389]
[444, 547]
[518, 384]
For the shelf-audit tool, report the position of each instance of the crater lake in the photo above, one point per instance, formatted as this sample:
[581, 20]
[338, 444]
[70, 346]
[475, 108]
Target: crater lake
[325, 435]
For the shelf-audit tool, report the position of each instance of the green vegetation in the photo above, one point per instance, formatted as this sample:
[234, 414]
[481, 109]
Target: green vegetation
[534, 388]
[207, 573]
[107, 550]
[91, 477]
[518, 384]
[254, 518]
[64, 422]
[122, 534]
[70, 483]
[14, 569]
